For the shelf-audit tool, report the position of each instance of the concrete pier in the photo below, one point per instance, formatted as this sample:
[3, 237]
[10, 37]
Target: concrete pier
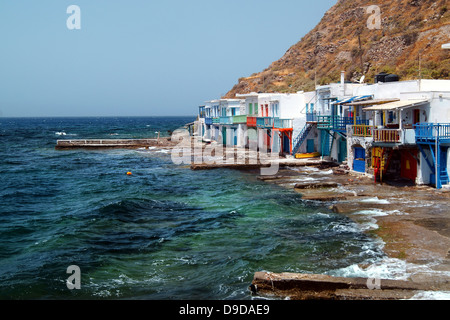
[297, 286]
[111, 143]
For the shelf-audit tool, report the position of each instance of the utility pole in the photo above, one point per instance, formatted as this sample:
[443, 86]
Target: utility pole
[360, 52]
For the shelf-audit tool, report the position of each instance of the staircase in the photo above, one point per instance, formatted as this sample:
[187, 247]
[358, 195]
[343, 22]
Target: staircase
[443, 166]
[444, 177]
[301, 138]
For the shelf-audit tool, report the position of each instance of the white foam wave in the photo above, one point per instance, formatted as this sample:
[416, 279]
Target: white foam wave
[432, 295]
[372, 212]
[375, 200]
[324, 172]
[62, 133]
[388, 268]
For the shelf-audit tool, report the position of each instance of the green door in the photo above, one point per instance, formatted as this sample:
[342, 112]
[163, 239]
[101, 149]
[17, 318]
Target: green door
[342, 150]
[224, 135]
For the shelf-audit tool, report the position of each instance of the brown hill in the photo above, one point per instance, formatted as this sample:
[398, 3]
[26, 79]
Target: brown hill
[408, 43]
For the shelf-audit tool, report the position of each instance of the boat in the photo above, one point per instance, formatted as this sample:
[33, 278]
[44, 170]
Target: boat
[307, 155]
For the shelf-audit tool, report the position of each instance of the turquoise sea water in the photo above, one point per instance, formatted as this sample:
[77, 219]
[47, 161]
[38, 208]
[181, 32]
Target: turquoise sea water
[165, 232]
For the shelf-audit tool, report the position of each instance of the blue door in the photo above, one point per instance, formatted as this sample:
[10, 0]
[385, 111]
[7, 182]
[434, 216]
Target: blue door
[235, 137]
[286, 144]
[359, 162]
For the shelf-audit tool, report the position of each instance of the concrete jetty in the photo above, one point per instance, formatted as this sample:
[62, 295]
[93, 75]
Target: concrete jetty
[298, 286]
[111, 143]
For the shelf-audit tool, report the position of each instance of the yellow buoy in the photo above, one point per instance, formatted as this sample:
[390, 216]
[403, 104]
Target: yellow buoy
[129, 173]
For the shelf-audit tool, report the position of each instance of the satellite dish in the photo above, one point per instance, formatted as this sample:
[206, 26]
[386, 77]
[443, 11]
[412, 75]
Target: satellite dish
[362, 79]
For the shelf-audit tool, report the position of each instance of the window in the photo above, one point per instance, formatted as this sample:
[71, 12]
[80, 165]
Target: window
[275, 109]
[250, 108]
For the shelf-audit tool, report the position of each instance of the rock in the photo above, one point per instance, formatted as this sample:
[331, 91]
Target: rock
[316, 185]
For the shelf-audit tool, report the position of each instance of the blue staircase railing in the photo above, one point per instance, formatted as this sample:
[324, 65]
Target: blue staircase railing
[434, 137]
[298, 141]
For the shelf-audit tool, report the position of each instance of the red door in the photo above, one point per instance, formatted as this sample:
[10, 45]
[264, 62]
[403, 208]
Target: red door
[416, 116]
[408, 168]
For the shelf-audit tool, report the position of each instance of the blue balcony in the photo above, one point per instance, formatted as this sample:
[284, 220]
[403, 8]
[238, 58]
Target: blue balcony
[265, 122]
[208, 121]
[226, 120]
[429, 132]
[283, 123]
[312, 116]
[337, 123]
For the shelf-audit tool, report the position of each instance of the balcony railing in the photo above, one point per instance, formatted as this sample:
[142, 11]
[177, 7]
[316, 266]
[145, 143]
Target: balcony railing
[208, 121]
[251, 121]
[311, 116]
[362, 130]
[386, 135]
[226, 120]
[265, 122]
[216, 120]
[340, 123]
[240, 119]
[324, 122]
[336, 123]
[431, 131]
[283, 123]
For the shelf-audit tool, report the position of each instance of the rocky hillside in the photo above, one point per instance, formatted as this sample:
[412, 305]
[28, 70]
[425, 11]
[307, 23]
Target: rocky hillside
[407, 42]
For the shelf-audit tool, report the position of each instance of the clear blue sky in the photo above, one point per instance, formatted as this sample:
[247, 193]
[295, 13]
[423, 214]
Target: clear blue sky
[139, 57]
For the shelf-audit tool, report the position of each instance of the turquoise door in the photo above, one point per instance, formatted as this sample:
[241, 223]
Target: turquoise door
[309, 145]
[235, 137]
[224, 135]
[325, 143]
[342, 150]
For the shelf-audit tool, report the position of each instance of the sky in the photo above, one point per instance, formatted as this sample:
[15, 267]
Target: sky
[139, 57]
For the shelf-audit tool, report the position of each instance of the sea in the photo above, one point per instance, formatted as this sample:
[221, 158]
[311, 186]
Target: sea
[164, 232]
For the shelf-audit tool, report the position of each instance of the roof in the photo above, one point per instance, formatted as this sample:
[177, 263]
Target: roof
[371, 102]
[397, 105]
[355, 98]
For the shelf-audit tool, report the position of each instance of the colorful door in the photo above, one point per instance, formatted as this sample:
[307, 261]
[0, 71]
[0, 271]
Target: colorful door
[416, 118]
[286, 144]
[342, 150]
[359, 162]
[224, 135]
[310, 146]
[325, 143]
[408, 167]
